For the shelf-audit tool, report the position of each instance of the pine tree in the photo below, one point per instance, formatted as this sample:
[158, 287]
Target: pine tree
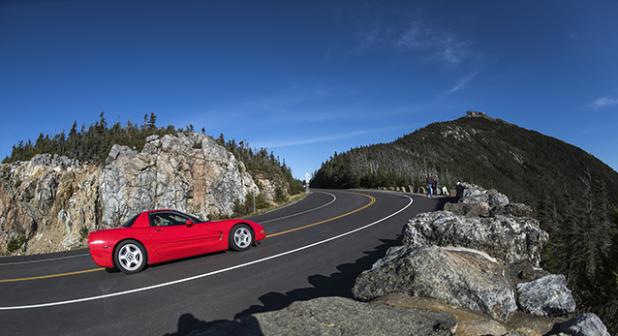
[152, 121]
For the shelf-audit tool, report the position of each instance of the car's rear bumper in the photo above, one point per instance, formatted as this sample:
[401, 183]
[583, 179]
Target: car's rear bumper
[102, 256]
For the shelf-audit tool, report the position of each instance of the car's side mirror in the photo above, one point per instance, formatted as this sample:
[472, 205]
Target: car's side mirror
[189, 223]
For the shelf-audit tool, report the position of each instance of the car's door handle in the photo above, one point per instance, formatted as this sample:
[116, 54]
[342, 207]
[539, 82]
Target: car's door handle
[157, 230]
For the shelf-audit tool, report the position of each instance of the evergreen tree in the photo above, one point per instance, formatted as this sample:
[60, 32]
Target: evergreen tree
[152, 121]
[93, 143]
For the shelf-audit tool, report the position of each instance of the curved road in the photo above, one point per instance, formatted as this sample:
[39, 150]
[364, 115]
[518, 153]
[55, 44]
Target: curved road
[315, 247]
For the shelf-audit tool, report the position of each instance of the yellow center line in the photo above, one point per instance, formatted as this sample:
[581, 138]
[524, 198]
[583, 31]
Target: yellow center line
[371, 202]
[90, 270]
[49, 276]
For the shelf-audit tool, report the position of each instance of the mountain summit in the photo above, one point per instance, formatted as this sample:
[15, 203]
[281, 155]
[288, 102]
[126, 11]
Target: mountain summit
[476, 148]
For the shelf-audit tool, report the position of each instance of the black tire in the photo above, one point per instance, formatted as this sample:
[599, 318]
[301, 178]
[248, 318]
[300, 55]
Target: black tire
[241, 237]
[130, 257]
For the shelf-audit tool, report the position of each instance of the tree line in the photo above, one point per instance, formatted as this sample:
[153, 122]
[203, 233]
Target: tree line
[92, 144]
[261, 162]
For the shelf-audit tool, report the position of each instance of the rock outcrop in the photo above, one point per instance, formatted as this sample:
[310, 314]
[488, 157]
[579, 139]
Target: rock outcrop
[476, 257]
[50, 203]
[337, 316]
[185, 172]
[548, 295]
[463, 278]
[473, 194]
[508, 238]
[46, 203]
[468, 323]
[587, 324]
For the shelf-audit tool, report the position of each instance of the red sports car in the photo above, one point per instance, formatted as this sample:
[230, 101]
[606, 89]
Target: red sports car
[157, 236]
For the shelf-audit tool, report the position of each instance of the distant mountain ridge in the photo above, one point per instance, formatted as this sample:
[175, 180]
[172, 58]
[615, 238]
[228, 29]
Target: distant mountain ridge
[476, 148]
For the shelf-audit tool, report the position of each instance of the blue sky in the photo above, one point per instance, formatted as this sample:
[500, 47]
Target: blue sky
[307, 78]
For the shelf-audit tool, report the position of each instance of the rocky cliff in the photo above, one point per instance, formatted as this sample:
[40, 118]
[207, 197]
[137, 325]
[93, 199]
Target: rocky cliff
[50, 202]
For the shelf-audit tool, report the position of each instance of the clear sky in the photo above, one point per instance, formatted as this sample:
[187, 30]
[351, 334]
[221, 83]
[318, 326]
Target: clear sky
[307, 78]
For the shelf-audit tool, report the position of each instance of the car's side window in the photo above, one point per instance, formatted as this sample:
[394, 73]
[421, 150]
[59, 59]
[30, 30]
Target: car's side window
[166, 219]
[179, 219]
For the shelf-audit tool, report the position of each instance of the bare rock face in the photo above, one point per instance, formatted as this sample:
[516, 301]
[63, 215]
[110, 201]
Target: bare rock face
[185, 172]
[49, 203]
[460, 277]
[341, 316]
[474, 194]
[46, 202]
[468, 323]
[508, 238]
[587, 324]
[513, 209]
[547, 296]
[337, 316]
[469, 209]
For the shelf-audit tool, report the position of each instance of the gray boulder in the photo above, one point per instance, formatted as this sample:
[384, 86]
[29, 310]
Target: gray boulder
[337, 316]
[469, 209]
[510, 239]
[461, 277]
[472, 193]
[468, 323]
[525, 272]
[547, 296]
[587, 324]
[513, 209]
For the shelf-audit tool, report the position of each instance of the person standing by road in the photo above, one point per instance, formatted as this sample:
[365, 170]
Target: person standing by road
[429, 186]
[434, 185]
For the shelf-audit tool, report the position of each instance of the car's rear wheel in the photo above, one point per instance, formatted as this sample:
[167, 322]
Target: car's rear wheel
[241, 237]
[130, 256]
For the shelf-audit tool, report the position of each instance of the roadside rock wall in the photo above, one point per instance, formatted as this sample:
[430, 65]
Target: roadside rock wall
[45, 203]
[186, 172]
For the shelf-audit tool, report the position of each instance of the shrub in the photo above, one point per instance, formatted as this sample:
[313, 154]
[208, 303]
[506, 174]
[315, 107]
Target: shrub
[280, 195]
[83, 233]
[16, 243]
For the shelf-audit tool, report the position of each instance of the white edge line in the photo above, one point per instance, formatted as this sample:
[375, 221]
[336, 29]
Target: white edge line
[283, 207]
[267, 221]
[199, 276]
[305, 211]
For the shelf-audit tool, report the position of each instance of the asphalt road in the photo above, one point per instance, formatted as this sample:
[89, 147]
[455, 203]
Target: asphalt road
[315, 248]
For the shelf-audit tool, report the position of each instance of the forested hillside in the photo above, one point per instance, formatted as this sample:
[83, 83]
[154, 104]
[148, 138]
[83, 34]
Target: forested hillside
[574, 193]
[92, 144]
[475, 148]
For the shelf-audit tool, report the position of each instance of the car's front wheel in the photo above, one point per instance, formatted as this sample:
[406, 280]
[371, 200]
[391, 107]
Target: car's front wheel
[130, 256]
[241, 237]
